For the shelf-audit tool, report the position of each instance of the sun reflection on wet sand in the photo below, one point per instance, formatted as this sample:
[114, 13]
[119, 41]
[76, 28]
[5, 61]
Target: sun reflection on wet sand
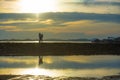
[54, 66]
[40, 71]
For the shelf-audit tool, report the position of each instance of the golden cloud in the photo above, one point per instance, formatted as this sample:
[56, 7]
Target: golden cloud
[10, 28]
[48, 22]
[92, 27]
[88, 27]
[26, 20]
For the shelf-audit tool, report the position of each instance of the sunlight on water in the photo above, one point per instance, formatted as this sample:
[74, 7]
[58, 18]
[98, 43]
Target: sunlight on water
[79, 66]
[45, 41]
[37, 71]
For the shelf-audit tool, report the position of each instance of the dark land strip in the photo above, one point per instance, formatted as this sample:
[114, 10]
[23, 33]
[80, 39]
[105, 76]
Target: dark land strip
[58, 49]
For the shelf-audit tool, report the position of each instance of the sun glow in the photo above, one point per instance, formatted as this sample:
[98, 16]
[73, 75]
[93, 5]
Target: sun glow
[38, 6]
[38, 71]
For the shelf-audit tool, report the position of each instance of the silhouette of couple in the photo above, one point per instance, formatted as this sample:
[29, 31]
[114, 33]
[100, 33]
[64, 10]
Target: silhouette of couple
[40, 37]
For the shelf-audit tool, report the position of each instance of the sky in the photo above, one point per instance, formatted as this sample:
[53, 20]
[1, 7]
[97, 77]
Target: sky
[59, 19]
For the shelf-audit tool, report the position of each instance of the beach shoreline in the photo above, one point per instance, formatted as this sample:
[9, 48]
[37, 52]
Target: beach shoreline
[58, 49]
[18, 77]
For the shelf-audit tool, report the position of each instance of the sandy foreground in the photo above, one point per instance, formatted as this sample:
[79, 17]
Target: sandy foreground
[43, 49]
[42, 77]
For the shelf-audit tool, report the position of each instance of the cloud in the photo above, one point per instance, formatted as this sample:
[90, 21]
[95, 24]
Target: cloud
[93, 6]
[92, 27]
[89, 24]
[105, 6]
[89, 3]
[21, 21]
[59, 17]
[96, 1]
[9, 6]
[48, 22]
[74, 16]
[7, 27]
[10, 28]
[85, 26]
[59, 24]
[17, 16]
[8, 0]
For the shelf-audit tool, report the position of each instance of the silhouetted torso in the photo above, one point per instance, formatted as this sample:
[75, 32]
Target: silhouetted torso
[40, 37]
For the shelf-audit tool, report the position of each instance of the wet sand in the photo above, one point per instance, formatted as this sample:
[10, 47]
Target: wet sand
[54, 49]
[42, 77]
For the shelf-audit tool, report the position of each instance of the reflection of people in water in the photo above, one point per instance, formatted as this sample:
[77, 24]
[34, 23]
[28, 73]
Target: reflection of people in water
[40, 60]
[40, 37]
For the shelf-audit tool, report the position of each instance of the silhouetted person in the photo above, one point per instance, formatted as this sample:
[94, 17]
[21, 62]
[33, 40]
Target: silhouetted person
[40, 60]
[40, 37]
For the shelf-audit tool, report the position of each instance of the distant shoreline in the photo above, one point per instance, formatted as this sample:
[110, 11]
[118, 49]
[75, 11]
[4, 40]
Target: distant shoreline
[58, 49]
[45, 41]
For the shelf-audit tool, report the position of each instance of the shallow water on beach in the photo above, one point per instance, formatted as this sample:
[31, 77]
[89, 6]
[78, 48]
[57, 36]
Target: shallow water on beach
[45, 41]
[55, 66]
